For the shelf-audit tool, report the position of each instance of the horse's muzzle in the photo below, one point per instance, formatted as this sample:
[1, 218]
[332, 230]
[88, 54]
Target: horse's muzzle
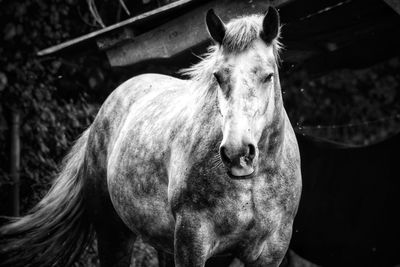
[239, 160]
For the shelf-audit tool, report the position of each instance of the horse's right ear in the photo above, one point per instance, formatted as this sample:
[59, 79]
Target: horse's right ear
[271, 24]
[215, 26]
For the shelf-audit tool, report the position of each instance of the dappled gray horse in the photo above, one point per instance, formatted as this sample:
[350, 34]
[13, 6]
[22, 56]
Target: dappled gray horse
[196, 167]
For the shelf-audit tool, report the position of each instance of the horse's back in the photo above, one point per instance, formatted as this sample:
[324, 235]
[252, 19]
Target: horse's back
[147, 106]
[127, 99]
[137, 88]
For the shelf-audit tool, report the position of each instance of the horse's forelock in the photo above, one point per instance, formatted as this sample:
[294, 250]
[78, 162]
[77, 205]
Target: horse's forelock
[241, 32]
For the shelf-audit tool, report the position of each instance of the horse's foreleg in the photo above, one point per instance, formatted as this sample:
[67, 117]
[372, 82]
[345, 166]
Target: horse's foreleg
[270, 257]
[192, 241]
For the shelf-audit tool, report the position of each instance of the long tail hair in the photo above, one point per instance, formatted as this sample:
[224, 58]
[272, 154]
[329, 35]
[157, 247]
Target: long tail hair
[56, 231]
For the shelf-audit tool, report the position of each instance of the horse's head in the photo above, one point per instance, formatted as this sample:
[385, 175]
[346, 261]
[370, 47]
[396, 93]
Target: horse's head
[246, 78]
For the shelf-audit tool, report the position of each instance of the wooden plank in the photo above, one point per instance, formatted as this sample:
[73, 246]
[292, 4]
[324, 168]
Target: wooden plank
[322, 42]
[143, 18]
[324, 33]
[395, 4]
[302, 9]
[181, 33]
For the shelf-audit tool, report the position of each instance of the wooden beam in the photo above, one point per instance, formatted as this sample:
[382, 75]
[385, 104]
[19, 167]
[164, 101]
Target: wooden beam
[395, 4]
[181, 33]
[322, 42]
[137, 20]
[304, 9]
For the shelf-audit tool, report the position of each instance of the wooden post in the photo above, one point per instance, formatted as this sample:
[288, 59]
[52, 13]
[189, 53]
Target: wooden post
[15, 161]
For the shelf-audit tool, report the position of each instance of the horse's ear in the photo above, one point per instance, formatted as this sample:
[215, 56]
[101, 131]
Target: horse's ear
[215, 26]
[271, 24]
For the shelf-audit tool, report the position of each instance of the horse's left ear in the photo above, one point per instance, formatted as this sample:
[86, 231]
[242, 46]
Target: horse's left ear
[215, 26]
[271, 24]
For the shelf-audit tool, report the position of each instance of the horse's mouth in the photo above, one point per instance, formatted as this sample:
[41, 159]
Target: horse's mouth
[241, 173]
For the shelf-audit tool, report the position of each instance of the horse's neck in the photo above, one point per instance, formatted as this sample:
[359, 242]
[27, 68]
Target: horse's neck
[203, 104]
[203, 113]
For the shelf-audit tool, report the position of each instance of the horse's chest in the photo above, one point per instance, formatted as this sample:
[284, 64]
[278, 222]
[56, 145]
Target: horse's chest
[236, 215]
[243, 212]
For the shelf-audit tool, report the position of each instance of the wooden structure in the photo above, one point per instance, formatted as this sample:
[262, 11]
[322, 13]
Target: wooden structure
[318, 35]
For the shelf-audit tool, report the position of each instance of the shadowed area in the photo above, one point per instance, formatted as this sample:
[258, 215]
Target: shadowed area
[347, 214]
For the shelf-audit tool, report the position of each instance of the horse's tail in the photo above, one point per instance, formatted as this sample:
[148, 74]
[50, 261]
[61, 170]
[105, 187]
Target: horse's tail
[57, 230]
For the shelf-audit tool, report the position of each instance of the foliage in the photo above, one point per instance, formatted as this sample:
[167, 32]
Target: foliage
[350, 106]
[49, 122]
[51, 117]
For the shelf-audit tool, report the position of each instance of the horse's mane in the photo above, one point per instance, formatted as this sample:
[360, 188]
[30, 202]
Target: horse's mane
[240, 35]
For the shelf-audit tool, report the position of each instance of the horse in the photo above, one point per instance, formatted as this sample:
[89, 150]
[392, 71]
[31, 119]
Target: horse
[197, 167]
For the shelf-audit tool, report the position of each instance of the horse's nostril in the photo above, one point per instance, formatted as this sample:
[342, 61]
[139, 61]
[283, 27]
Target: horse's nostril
[252, 151]
[224, 156]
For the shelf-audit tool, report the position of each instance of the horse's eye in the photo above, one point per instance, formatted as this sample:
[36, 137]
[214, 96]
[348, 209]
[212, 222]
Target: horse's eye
[268, 78]
[218, 77]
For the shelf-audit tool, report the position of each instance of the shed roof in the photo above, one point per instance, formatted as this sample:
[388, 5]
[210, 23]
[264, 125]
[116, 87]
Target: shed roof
[321, 35]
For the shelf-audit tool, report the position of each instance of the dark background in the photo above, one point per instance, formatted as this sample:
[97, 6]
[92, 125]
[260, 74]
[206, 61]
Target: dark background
[58, 97]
